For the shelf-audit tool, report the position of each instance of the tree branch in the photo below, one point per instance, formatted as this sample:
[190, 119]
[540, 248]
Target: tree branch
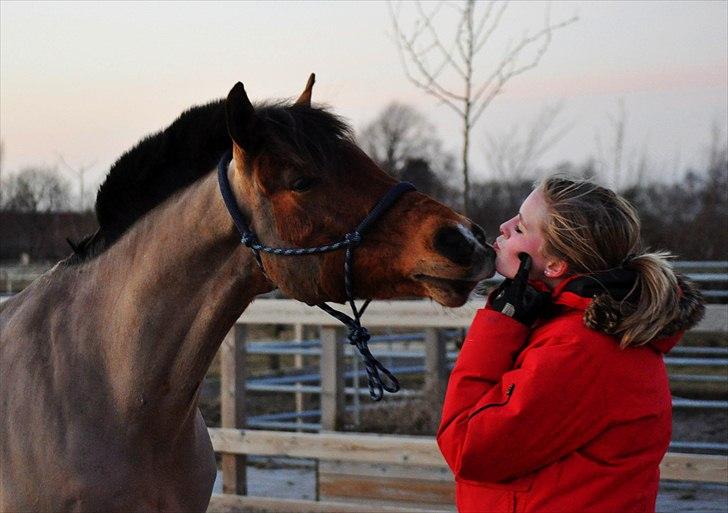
[429, 84]
[436, 40]
[479, 44]
[507, 67]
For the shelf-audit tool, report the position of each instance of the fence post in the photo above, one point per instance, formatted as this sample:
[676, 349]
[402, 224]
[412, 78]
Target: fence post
[435, 362]
[299, 334]
[332, 379]
[356, 399]
[232, 404]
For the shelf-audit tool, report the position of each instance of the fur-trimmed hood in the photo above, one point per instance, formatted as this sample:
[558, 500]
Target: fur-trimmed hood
[605, 298]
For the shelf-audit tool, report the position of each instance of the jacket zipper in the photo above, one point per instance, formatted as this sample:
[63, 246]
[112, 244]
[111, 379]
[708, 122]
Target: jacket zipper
[509, 393]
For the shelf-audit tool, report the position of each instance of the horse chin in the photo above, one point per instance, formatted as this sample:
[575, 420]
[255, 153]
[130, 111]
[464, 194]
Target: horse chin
[450, 292]
[318, 297]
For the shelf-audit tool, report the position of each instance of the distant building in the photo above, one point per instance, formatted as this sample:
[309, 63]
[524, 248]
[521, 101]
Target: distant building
[41, 235]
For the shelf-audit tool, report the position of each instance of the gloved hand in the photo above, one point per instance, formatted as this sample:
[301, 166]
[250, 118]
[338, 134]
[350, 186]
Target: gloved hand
[517, 299]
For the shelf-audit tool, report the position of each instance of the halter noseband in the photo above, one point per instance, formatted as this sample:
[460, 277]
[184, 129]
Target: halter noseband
[358, 335]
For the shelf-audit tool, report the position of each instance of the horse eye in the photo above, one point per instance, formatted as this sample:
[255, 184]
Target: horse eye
[303, 183]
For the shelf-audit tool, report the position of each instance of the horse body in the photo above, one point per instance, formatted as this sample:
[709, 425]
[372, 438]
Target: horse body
[111, 424]
[102, 357]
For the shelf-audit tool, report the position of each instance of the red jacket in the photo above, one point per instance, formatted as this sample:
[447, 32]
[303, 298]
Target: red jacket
[556, 418]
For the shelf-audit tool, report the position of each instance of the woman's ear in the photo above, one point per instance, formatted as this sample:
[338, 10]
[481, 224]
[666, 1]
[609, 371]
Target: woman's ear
[556, 268]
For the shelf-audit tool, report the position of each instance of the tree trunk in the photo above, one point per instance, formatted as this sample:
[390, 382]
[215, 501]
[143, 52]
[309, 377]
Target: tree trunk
[467, 105]
[466, 178]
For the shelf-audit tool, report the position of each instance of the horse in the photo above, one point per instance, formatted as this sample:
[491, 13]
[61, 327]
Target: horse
[102, 357]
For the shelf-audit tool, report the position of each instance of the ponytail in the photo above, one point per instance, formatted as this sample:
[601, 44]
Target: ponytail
[656, 301]
[594, 230]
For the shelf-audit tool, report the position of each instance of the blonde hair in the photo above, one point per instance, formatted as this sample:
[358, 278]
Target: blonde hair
[594, 229]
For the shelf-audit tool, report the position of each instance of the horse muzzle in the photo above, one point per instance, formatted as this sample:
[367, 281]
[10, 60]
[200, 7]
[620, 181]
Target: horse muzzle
[466, 248]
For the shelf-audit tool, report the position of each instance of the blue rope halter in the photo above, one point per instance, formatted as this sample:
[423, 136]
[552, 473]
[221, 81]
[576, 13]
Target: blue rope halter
[358, 335]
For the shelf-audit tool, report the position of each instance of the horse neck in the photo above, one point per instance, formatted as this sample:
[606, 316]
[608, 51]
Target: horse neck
[175, 284]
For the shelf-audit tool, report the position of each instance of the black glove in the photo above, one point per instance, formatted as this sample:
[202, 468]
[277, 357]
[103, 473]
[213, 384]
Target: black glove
[517, 299]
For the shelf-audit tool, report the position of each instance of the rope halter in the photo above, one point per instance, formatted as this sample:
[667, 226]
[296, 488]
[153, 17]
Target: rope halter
[358, 335]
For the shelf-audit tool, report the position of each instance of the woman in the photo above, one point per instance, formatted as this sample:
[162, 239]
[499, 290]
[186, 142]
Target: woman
[559, 400]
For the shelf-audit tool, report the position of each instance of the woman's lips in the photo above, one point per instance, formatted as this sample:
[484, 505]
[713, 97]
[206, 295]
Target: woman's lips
[495, 245]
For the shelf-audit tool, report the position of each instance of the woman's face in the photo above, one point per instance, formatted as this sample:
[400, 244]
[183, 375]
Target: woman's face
[522, 234]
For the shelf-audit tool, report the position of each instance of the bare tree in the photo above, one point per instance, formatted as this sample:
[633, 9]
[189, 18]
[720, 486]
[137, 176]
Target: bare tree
[610, 163]
[424, 58]
[514, 155]
[36, 189]
[405, 144]
[621, 165]
[397, 134]
[718, 148]
[80, 172]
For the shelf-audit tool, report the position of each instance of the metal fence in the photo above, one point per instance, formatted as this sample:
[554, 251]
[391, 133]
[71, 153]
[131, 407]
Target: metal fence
[406, 354]
[411, 361]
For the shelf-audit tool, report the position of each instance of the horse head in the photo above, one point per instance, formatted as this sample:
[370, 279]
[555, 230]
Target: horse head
[302, 181]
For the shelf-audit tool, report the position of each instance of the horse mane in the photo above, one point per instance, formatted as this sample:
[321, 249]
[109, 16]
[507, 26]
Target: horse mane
[170, 160]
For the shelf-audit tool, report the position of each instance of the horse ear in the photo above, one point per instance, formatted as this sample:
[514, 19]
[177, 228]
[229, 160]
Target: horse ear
[305, 98]
[242, 123]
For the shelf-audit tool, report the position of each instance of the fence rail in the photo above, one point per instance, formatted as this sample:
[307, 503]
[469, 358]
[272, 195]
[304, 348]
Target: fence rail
[295, 383]
[411, 450]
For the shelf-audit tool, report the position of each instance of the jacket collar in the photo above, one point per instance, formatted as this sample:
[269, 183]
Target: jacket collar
[605, 297]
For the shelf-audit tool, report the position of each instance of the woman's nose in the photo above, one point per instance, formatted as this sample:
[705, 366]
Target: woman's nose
[507, 227]
[502, 229]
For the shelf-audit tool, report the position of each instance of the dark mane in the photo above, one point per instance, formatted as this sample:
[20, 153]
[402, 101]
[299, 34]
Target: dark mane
[172, 159]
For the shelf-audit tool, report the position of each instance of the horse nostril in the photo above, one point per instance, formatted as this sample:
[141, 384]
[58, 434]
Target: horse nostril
[452, 243]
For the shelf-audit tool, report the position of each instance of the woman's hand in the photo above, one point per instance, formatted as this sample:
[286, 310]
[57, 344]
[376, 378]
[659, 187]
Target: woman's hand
[517, 299]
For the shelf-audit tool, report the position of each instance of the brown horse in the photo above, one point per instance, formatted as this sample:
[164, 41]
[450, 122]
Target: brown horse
[102, 357]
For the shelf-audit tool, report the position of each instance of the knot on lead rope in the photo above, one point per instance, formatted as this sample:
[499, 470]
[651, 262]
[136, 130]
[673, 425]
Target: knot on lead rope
[358, 335]
[359, 338]
[248, 239]
[353, 238]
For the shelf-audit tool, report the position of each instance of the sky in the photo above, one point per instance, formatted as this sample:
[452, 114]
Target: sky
[82, 82]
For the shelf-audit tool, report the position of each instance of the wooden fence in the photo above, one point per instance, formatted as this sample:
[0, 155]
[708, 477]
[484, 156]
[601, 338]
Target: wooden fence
[420, 481]
[402, 452]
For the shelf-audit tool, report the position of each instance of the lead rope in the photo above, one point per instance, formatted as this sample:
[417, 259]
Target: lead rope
[358, 335]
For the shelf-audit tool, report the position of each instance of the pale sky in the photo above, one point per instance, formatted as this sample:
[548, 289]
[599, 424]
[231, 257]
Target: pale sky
[87, 80]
